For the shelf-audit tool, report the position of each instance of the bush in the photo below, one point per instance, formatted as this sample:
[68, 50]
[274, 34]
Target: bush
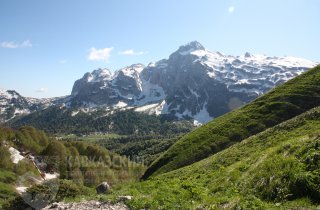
[7, 176]
[24, 166]
[5, 159]
[6, 192]
[40, 196]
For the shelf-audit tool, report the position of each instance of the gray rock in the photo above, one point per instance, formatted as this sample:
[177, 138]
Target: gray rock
[86, 205]
[103, 188]
[54, 205]
[124, 198]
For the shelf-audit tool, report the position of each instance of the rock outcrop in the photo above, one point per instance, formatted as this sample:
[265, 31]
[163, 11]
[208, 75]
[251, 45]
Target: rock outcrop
[86, 205]
[103, 188]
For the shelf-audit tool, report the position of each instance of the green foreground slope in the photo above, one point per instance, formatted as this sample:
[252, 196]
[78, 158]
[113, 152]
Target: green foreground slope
[80, 165]
[275, 169]
[282, 103]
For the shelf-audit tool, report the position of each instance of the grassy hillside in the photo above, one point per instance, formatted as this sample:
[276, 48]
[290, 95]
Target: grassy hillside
[275, 169]
[282, 103]
[79, 164]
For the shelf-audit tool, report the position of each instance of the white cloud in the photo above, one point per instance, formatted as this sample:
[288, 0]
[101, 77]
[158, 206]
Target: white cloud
[13, 45]
[231, 9]
[42, 90]
[62, 61]
[100, 54]
[26, 43]
[131, 52]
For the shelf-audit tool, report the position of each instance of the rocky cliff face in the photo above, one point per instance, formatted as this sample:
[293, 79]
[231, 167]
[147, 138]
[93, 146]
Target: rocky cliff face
[101, 88]
[192, 83]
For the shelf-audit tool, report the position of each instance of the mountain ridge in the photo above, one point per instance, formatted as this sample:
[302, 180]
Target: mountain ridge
[12, 104]
[192, 83]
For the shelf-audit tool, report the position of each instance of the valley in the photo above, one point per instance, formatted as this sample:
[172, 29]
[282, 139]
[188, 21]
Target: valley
[159, 105]
[199, 130]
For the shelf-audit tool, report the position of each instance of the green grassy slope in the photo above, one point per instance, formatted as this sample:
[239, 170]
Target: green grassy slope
[284, 102]
[87, 165]
[275, 169]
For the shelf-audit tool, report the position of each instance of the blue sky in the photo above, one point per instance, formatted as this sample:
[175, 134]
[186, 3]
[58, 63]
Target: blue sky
[45, 45]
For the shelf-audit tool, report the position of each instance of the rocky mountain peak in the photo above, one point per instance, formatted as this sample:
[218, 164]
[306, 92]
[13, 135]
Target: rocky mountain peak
[102, 72]
[8, 94]
[247, 55]
[131, 71]
[137, 67]
[12, 104]
[98, 75]
[190, 47]
[194, 45]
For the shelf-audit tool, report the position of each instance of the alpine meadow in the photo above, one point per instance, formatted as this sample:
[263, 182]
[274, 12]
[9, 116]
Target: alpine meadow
[150, 104]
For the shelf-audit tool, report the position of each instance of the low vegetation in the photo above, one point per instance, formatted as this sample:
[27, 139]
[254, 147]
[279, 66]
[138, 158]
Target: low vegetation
[265, 155]
[282, 103]
[46, 193]
[60, 120]
[86, 164]
[26, 138]
[275, 169]
[144, 149]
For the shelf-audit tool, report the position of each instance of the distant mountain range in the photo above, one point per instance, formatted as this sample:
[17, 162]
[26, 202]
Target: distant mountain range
[12, 104]
[193, 83]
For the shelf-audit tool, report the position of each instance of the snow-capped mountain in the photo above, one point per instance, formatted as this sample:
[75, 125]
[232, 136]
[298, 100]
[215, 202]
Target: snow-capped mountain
[12, 104]
[192, 83]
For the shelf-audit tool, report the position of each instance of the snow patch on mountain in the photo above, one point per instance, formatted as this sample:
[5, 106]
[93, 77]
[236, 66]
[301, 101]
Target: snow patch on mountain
[74, 113]
[99, 75]
[156, 108]
[120, 104]
[50, 176]
[150, 93]
[132, 71]
[5, 94]
[202, 116]
[15, 155]
[192, 83]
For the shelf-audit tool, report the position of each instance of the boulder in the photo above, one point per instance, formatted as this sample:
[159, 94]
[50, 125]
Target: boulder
[124, 198]
[103, 188]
